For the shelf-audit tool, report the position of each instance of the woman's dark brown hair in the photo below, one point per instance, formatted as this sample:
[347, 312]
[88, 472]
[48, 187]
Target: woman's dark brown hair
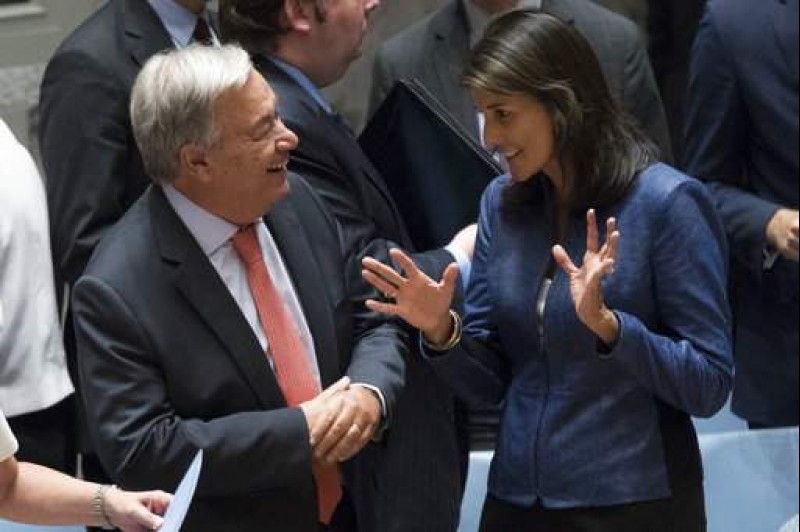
[531, 53]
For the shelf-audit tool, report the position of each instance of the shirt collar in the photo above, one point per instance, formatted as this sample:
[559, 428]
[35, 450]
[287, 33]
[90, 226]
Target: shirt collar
[179, 21]
[478, 19]
[209, 230]
[304, 81]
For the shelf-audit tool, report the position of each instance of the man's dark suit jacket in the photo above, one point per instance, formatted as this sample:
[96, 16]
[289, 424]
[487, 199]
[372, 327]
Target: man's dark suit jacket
[92, 166]
[414, 483]
[671, 27]
[435, 51]
[742, 134]
[93, 170]
[169, 364]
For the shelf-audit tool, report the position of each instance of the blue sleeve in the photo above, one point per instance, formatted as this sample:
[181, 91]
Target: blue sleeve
[476, 369]
[688, 363]
[717, 137]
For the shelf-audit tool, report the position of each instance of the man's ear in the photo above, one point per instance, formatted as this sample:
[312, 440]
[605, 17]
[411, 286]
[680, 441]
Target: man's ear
[194, 162]
[299, 15]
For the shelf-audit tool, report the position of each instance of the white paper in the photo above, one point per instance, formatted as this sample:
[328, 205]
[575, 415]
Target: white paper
[182, 498]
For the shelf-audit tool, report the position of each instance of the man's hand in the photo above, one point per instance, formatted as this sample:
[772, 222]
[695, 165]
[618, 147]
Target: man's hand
[324, 409]
[357, 420]
[782, 233]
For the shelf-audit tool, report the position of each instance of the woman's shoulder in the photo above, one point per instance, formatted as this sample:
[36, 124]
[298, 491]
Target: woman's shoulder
[659, 182]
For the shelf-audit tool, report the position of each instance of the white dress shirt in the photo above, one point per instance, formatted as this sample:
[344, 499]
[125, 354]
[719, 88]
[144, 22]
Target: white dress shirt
[33, 368]
[8, 444]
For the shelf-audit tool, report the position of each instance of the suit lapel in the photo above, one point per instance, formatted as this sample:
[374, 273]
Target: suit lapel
[309, 284]
[145, 35]
[202, 287]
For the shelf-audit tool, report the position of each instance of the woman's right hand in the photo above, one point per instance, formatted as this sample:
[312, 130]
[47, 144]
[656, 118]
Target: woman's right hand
[418, 299]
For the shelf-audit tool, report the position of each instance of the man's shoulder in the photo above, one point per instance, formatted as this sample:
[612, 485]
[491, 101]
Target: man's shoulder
[97, 35]
[125, 248]
[591, 18]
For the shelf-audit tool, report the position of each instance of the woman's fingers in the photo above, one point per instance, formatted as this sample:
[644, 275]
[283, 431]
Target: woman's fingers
[592, 237]
[405, 262]
[382, 308]
[449, 278]
[563, 260]
[612, 244]
[387, 273]
[379, 283]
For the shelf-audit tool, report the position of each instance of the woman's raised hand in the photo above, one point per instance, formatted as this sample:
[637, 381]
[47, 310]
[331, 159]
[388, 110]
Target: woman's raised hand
[585, 281]
[418, 299]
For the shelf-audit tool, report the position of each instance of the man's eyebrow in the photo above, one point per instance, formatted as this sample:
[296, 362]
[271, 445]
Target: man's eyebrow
[267, 121]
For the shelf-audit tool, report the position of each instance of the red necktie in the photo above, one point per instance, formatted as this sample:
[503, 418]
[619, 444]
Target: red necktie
[289, 355]
[202, 34]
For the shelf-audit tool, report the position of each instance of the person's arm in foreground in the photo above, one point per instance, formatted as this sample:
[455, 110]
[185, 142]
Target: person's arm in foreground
[37, 495]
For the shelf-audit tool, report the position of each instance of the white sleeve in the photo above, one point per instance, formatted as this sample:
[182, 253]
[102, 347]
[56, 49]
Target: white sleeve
[8, 443]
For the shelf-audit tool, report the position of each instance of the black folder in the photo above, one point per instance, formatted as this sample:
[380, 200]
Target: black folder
[434, 169]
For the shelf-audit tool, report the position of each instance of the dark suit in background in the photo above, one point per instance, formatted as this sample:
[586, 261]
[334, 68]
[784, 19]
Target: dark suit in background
[671, 26]
[170, 365]
[742, 138]
[93, 170]
[413, 482]
[436, 49]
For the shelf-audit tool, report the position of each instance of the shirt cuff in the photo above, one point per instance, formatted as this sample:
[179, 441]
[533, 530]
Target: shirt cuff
[384, 424]
[464, 264]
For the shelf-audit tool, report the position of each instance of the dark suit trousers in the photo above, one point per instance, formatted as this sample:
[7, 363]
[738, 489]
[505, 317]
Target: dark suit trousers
[684, 512]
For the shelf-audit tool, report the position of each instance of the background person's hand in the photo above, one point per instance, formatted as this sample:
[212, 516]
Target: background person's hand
[418, 299]
[136, 511]
[585, 281]
[783, 230]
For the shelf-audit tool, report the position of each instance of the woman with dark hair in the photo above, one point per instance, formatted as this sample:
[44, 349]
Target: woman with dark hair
[600, 364]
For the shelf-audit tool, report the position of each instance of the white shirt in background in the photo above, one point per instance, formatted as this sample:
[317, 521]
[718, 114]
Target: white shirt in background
[33, 368]
[8, 444]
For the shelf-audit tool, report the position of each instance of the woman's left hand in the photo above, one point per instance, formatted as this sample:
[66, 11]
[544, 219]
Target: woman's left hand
[585, 281]
[136, 511]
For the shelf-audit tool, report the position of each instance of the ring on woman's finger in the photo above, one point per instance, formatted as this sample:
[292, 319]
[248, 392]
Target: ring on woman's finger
[355, 428]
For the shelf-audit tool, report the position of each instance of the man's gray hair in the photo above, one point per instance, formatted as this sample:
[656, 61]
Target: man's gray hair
[172, 102]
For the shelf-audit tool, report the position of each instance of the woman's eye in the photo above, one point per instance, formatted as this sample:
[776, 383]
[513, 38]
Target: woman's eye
[503, 115]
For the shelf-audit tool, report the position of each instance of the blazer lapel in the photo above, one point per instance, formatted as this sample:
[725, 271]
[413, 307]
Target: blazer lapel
[202, 287]
[145, 35]
[309, 284]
